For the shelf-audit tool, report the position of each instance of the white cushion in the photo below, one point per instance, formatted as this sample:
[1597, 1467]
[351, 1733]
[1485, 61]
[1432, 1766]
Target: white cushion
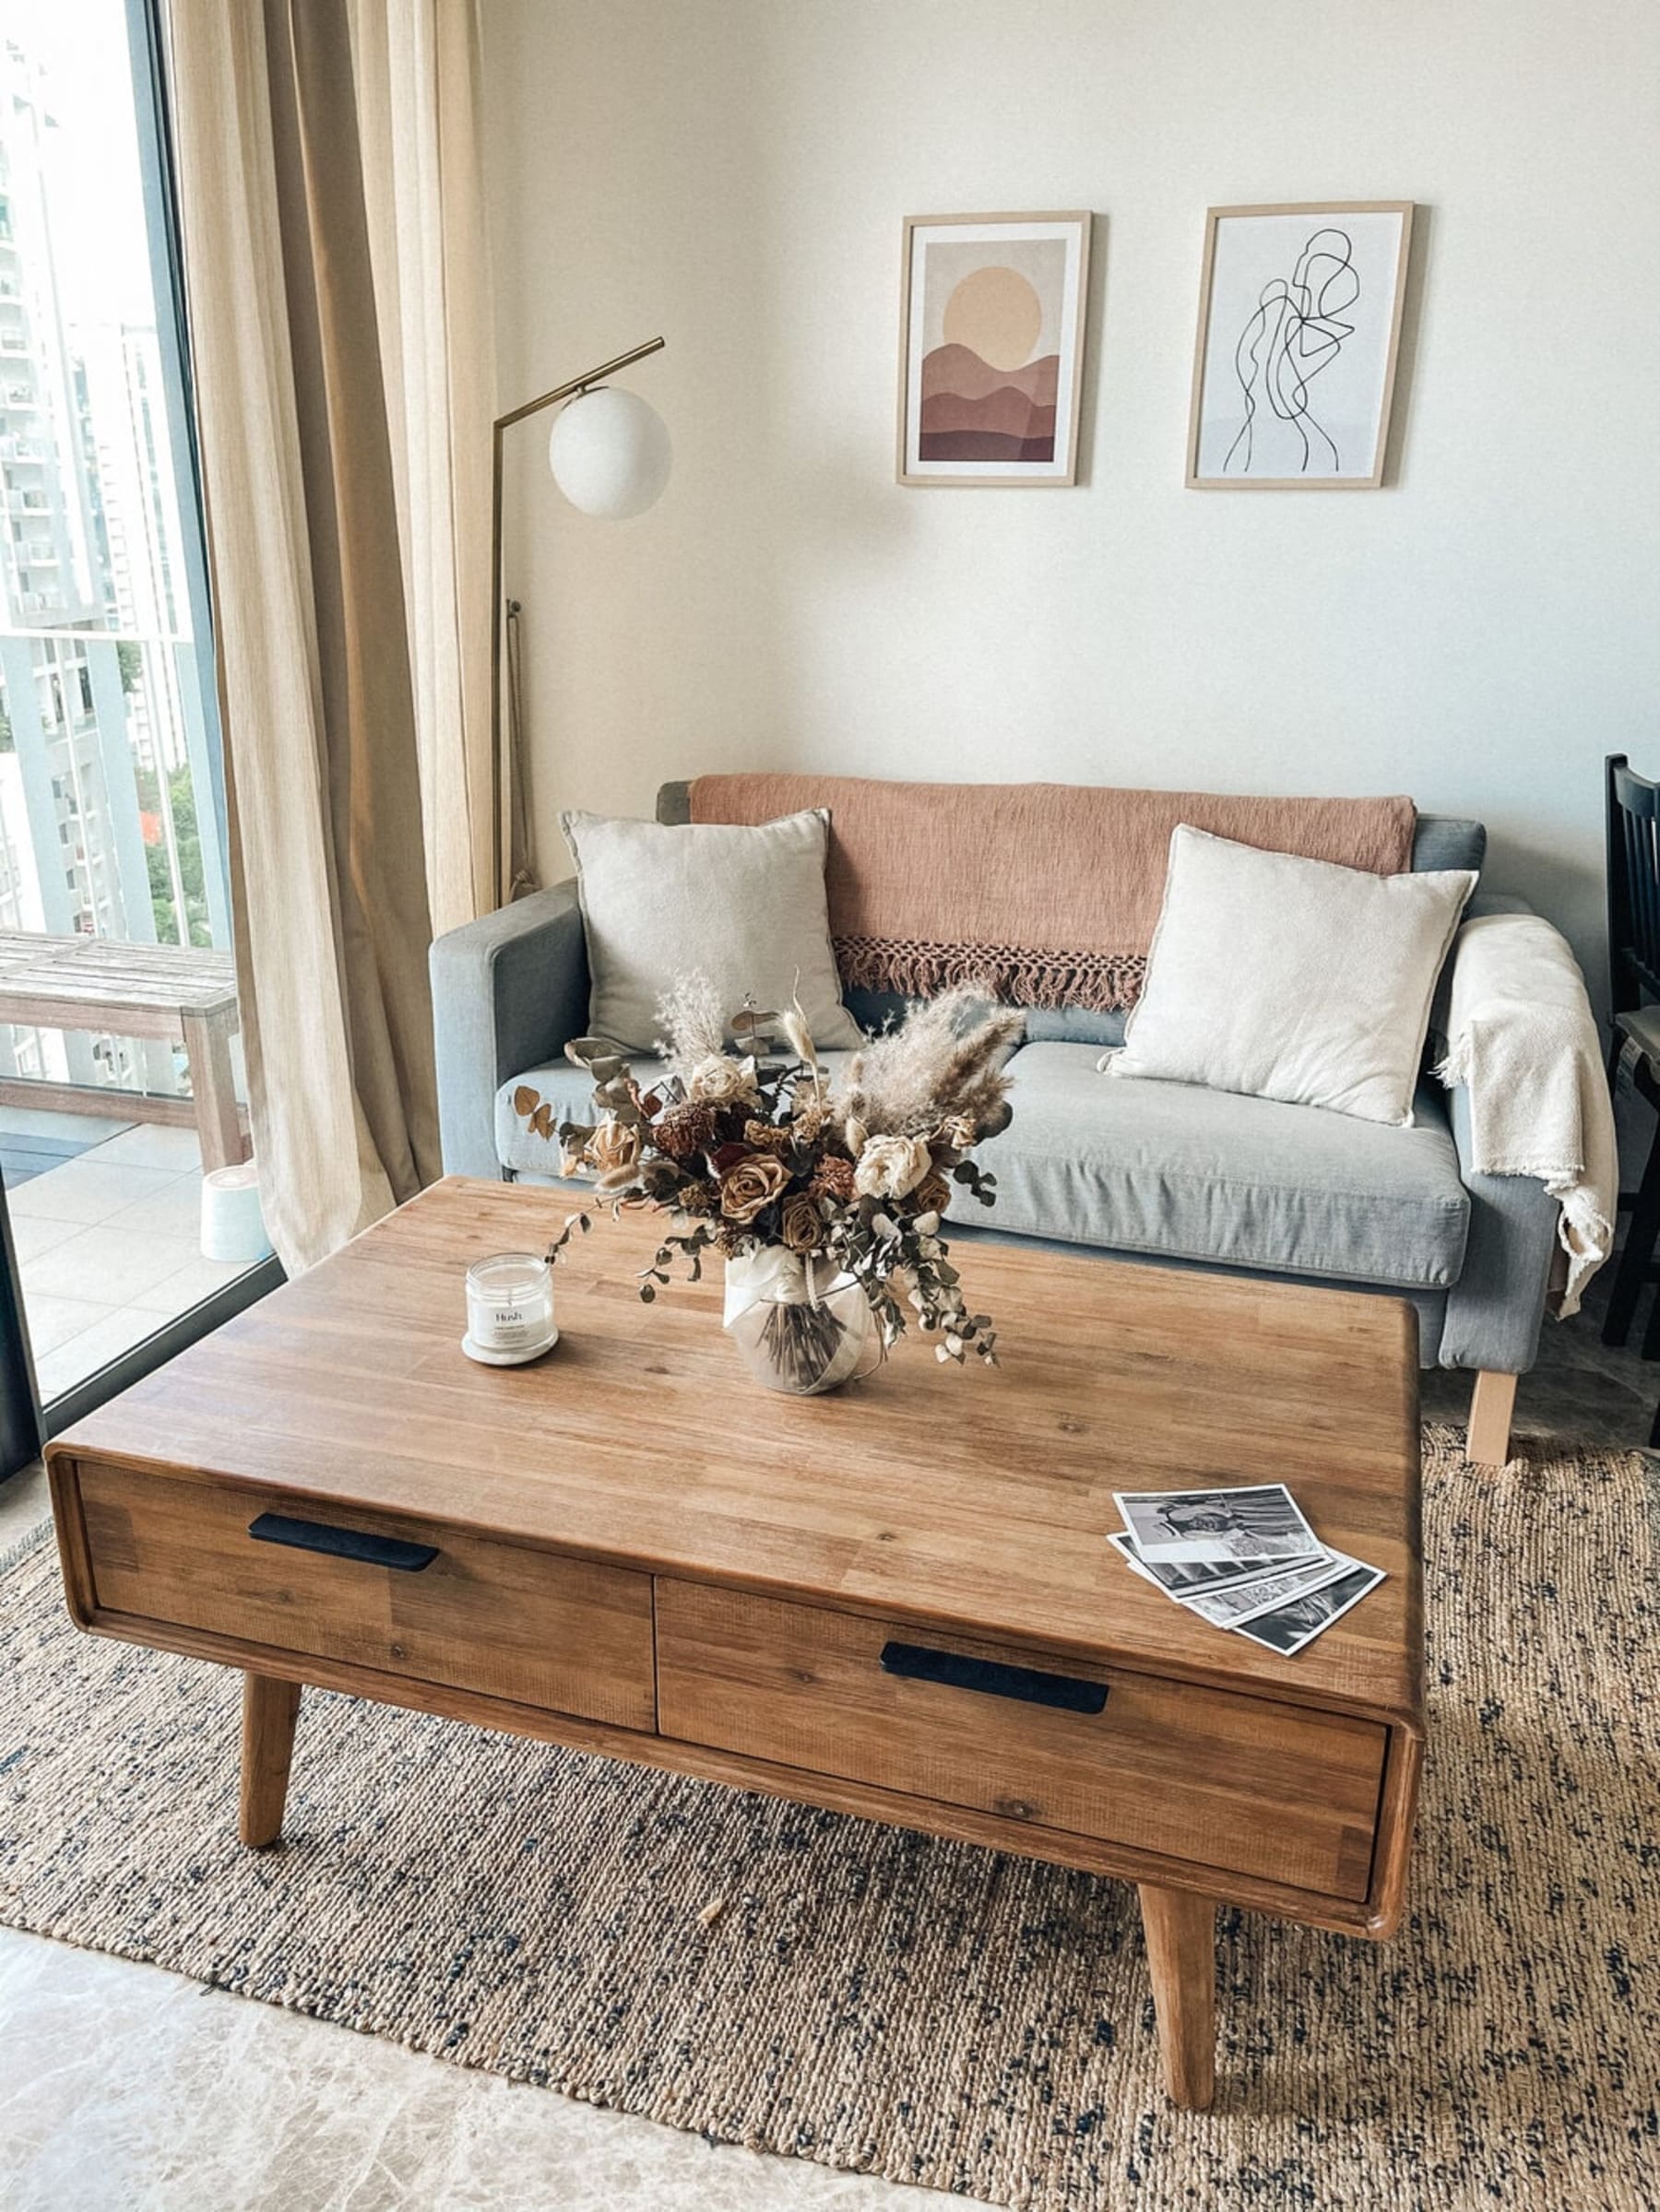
[1292, 980]
[745, 904]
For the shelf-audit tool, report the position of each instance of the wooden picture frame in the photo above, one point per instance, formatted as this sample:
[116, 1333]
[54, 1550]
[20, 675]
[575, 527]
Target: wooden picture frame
[1290, 294]
[991, 312]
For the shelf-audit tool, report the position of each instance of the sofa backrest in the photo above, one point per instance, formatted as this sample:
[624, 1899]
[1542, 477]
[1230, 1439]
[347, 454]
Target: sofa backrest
[1440, 841]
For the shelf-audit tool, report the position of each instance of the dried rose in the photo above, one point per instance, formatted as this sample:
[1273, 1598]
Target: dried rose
[752, 1184]
[682, 1131]
[800, 1225]
[833, 1178]
[614, 1148]
[932, 1194]
[720, 1078]
[889, 1166]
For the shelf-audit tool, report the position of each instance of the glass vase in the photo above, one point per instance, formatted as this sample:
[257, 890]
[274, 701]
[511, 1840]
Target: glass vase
[802, 1327]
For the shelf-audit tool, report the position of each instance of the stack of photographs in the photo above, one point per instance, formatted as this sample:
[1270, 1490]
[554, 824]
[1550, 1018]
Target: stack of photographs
[1243, 1559]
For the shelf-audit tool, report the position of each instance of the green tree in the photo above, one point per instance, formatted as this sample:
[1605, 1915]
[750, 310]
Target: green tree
[187, 837]
[130, 659]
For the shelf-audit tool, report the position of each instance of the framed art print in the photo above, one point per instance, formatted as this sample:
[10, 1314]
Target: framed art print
[1300, 324]
[991, 347]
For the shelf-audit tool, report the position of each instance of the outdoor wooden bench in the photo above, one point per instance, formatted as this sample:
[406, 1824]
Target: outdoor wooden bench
[181, 994]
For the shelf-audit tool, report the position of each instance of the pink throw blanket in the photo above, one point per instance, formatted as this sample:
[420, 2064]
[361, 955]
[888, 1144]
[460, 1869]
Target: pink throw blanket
[1050, 891]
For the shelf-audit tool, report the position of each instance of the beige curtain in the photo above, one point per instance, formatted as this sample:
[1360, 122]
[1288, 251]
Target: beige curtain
[347, 668]
[417, 75]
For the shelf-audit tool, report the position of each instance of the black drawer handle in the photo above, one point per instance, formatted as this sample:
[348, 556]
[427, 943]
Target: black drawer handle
[917, 1662]
[343, 1544]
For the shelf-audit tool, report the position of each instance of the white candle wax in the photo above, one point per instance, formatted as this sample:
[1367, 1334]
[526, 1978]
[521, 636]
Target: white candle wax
[509, 1307]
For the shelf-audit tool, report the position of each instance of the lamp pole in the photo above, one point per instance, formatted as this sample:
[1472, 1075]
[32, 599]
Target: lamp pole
[501, 848]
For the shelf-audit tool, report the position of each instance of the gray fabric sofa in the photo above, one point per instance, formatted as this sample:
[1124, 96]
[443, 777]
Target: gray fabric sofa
[1159, 1171]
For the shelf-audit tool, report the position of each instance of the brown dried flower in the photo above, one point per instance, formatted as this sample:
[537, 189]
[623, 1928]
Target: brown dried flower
[683, 1131]
[809, 1118]
[833, 1178]
[800, 1225]
[766, 1136]
[932, 1194]
[750, 1184]
[614, 1147]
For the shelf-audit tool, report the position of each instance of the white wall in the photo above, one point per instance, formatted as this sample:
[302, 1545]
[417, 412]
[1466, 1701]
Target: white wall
[733, 173]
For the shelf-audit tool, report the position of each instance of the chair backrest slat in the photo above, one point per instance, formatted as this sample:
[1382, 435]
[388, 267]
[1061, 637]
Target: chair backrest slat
[1633, 870]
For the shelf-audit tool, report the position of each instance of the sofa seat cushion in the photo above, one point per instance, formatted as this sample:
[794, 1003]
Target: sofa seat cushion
[1168, 1169]
[569, 1090]
[1193, 1174]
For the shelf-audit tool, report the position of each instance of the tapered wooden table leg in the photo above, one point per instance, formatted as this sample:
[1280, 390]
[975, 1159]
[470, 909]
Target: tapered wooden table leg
[1182, 1952]
[270, 1711]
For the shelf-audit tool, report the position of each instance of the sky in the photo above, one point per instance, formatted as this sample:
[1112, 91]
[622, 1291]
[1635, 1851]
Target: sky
[95, 189]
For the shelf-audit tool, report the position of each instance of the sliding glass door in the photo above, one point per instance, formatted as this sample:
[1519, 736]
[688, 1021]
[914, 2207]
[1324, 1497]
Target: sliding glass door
[121, 1080]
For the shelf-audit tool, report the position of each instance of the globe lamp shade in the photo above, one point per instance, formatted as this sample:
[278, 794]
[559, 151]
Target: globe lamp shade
[610, 454]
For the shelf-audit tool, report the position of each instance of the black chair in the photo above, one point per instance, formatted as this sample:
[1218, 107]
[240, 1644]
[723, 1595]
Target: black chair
[1633, 824]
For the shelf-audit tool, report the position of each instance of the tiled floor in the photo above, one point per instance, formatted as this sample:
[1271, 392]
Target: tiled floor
[125, 2090]
[108, 1243]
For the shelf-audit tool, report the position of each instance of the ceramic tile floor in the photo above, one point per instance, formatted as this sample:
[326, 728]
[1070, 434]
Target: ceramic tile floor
[123, 2088]
[108, 1243]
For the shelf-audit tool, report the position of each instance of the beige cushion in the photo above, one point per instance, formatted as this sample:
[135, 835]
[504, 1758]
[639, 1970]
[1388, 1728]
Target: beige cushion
[1292, 980]
[745, 904]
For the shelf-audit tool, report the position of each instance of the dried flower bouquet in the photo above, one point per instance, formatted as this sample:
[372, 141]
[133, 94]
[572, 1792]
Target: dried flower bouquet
[758, 1157]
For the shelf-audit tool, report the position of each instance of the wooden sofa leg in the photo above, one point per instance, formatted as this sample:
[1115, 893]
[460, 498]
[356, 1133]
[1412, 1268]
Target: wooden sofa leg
[1491, 1405]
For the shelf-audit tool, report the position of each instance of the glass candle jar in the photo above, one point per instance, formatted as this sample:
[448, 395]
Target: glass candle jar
[509, 1309]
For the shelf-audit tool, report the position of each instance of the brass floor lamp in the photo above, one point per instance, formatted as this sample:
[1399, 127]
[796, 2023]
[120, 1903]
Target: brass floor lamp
[609, 454]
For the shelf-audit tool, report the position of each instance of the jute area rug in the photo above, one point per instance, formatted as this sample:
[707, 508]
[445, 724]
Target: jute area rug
[922, 2010]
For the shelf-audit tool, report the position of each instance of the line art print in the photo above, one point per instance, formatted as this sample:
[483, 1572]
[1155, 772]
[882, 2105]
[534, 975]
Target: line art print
[1295, 333]
[1299, 325]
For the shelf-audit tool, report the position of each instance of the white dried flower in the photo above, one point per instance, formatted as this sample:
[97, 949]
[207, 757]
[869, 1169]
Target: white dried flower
[719, 1081]
[856, 1135]
[889, 1166]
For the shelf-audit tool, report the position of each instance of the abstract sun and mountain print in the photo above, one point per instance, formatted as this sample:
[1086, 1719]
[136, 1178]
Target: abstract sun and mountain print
[991, 345]
[987, 393]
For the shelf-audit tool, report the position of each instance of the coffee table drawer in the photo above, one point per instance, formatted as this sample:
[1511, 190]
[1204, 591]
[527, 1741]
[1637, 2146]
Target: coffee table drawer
[1240, 1783]
[561, 1634]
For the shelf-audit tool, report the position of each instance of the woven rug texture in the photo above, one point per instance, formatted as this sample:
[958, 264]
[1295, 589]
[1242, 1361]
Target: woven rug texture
[924, 2010]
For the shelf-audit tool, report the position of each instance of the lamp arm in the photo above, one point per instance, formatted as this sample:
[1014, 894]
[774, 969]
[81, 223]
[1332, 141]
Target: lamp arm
[500, 840]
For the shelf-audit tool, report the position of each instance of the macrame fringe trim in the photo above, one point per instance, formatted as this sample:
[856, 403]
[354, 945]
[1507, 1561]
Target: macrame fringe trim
[1104, 982]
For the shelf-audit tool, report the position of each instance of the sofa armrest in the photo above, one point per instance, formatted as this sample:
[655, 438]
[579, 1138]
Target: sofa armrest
[1495, 1308]
[509, 992]
[1493, 902]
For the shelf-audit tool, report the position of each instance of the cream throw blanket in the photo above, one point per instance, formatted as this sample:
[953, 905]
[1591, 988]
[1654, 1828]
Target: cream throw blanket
[1525, 1046]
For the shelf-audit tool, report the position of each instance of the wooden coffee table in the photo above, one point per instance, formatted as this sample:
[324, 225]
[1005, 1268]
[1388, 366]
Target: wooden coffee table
[898, 1602]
